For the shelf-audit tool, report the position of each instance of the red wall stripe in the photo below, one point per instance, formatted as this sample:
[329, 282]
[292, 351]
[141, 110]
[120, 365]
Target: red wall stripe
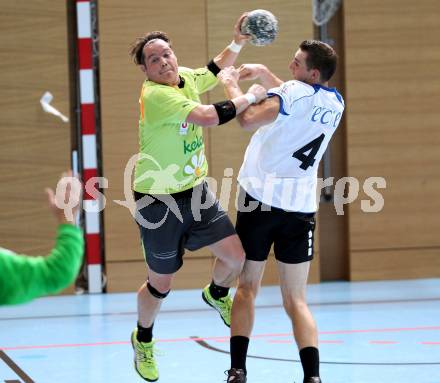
[88, 127]
[87, 174]
[85, 53]
[88, 119]
[93, 249]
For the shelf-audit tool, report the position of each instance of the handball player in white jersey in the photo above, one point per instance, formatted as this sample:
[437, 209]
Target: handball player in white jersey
[278, 182]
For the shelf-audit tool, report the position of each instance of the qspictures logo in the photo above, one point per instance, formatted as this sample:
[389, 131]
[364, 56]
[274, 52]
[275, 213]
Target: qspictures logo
[346, 191]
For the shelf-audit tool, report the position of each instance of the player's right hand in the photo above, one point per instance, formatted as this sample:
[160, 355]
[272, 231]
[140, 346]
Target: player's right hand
[250, 71]
[240, 38]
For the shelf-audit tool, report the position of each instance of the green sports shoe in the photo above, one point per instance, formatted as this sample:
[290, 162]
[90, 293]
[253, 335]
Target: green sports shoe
[144, 362]
[222, 305]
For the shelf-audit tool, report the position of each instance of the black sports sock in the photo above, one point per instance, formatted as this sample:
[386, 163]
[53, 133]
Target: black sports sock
[310, 361]
[144, 335]
[218, 292]
[239, 348]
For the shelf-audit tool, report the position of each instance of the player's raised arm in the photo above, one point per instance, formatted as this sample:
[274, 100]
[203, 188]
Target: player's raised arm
[228, 55]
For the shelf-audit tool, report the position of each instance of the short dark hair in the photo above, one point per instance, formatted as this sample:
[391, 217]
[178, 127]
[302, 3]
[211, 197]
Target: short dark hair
[137, 48]
[320, 56]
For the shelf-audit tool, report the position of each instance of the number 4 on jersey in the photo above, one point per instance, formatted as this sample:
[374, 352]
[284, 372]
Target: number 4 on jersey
[308, 159]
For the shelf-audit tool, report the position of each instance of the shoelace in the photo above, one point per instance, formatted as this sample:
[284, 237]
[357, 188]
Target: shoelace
[145, 355]
[224, 307]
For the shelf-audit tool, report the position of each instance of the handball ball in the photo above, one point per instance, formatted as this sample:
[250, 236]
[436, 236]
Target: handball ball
[262, 25]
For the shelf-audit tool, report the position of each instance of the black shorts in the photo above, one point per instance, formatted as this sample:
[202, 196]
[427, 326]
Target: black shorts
[165, 237]
[291, 233]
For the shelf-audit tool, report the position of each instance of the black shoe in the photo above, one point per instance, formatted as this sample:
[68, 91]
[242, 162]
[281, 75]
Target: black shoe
[236, 375]
[314, 379]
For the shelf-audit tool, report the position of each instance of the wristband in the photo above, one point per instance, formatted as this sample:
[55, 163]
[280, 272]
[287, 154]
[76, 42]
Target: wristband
[225, 110]
[213, 67]
[234, 47]
[250, 97]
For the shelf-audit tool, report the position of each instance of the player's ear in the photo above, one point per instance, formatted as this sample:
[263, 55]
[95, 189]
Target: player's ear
[316, 76]
[143, 68]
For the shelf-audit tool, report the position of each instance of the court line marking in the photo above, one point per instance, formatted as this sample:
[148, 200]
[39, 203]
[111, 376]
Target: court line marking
[206, 345]
[216, 338]
[17, 370]
[183, 311]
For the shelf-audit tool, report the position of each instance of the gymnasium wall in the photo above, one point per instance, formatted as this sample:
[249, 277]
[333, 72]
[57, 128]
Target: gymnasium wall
[392, 55]
[198, 31]
[35, 146]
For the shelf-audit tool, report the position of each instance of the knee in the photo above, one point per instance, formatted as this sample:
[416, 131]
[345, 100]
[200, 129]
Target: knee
[238, 255]
[158, 288]
[236, 260]
[294, 305]
[248, 289]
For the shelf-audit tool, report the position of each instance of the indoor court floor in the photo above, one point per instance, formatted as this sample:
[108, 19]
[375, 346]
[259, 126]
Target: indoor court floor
[370, 332]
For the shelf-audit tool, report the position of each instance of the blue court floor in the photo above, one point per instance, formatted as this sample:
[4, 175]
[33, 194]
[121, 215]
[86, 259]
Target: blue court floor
[370, 332]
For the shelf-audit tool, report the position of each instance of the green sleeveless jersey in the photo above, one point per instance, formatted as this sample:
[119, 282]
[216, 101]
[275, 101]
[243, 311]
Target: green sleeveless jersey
[172, 151]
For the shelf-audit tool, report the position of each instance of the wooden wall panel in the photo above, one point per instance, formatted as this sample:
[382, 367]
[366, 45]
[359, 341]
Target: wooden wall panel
[396, 264]
[35, 146]
[393, 93]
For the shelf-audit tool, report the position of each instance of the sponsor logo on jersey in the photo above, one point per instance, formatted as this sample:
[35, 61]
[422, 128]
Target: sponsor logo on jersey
[285, 88]
[189, 147]
[326, 116]
[183, 129]
[195, 165]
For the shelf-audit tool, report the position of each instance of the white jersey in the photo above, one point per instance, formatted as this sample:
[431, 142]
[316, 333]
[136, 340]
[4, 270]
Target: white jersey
[280, 166]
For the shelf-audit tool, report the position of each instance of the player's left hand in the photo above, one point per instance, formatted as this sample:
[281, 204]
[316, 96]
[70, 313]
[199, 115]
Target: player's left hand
[65, 203]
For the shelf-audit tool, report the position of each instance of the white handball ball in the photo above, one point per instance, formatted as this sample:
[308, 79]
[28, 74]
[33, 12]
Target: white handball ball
[262, 25]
